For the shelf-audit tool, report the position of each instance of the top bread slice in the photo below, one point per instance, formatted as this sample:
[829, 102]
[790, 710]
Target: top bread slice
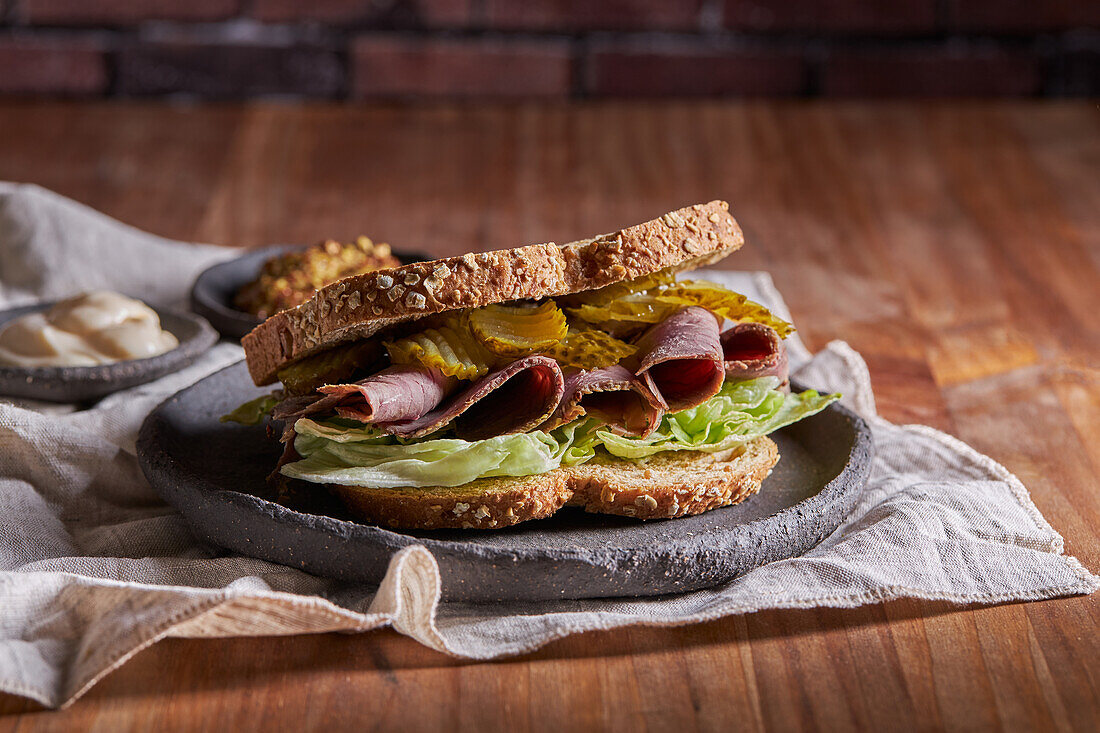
[360, 306]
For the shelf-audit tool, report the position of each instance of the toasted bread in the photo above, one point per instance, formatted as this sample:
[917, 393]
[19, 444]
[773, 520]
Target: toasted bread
[361, 306]
[673, 484]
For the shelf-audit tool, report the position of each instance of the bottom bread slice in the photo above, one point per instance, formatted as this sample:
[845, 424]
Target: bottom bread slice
[672, 484]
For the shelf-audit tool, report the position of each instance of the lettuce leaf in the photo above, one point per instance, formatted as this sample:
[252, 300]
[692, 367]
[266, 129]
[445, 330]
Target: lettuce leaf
[254, 411]
[578, 440]
[340, 451]
[739, 413]
[335, 454]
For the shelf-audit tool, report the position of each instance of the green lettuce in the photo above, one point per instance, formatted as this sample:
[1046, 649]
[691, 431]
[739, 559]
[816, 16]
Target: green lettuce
[339, 451]
[739, 413]
[360, 456]
[254, 411]
[579, 440]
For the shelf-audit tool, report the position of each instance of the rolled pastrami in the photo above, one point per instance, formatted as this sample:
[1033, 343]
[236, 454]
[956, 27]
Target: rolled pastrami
[680, 359]
[514, 399]
[753, 350]
[613, 396]
[400, 392]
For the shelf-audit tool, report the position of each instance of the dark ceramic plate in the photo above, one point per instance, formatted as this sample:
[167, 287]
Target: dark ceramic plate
[214, 474]
[214, 289]
[82, 383]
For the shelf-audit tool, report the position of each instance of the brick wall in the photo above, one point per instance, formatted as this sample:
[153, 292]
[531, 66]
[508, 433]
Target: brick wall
[367, 49]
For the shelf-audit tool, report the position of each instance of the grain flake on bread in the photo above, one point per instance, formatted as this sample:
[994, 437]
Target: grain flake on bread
[361, 306]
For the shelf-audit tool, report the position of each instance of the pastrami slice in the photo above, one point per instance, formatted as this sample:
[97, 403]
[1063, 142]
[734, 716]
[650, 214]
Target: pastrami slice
[753, 350]
[294, 407]
[400, 392]
[514, 399]
[396, 393]
[613, 396]
[290, 410]
[681, 359]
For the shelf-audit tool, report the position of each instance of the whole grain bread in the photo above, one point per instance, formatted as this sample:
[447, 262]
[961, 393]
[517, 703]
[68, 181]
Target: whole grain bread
[361, 306]
[672, 484]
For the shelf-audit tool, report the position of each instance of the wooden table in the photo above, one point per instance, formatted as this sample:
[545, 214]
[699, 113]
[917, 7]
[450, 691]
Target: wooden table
[957, 246]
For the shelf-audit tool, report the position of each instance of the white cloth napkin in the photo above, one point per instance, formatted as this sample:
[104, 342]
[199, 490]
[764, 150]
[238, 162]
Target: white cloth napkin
[95, 567]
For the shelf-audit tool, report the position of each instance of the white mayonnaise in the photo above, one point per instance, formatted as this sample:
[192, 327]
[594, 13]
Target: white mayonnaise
[87, 330]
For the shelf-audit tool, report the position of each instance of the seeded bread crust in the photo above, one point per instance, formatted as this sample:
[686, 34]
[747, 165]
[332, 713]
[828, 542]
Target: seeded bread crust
[673, 484]
[360, 306]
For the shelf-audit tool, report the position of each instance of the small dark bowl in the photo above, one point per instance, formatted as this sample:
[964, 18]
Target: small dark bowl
[82, 383]
[215, 288]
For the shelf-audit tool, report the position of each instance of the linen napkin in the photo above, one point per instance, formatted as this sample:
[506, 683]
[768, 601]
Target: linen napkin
[94, 566]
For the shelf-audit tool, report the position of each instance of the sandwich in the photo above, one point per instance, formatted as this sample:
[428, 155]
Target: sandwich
[480, 391]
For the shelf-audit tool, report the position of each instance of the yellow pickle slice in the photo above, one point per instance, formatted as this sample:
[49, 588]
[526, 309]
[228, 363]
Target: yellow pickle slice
[590, 349]
[450, 349]
[518, 330]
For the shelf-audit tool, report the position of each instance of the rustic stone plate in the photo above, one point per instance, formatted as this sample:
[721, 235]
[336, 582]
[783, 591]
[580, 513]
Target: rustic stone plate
[214, 474]
[79, 384]
[216, 286]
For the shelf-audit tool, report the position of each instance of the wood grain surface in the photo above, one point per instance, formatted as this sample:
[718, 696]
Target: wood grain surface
[956, 245]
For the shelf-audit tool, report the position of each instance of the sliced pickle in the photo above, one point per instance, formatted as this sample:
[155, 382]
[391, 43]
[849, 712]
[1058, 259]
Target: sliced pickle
[622, 309]
[624, 317]
[590, 349]
[722, 302]
[329, 367]
[450, 349]
[631, 312]
[518, 330]
[616, 291]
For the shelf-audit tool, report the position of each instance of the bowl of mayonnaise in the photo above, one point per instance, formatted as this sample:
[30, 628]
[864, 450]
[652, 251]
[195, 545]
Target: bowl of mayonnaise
[90, 345]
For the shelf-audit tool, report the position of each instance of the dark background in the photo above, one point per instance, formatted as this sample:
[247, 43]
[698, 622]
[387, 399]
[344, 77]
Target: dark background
[365, 49]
